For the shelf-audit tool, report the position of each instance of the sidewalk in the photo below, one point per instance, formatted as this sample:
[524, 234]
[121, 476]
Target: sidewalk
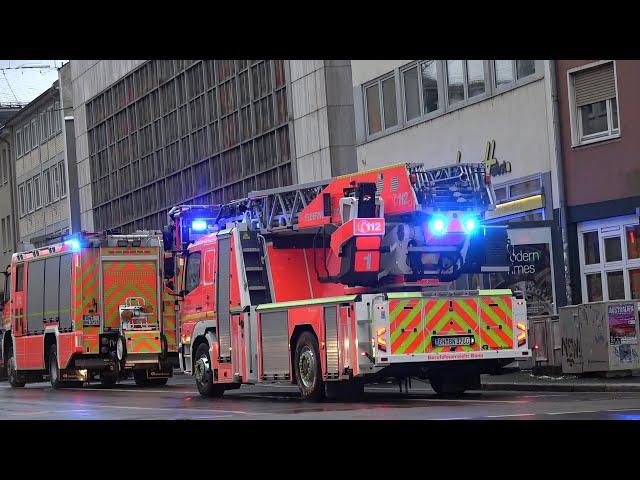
[524, 380]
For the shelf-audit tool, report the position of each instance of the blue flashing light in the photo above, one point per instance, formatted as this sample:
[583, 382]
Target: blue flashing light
[438, 224]
[199, 225]
[470, 224]
[74, 245]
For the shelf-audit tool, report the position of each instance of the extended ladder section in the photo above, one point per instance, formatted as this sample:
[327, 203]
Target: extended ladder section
[463, 186]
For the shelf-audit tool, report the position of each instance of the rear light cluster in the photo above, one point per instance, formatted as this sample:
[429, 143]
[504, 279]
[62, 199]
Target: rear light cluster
[382, 343]
[522, 337]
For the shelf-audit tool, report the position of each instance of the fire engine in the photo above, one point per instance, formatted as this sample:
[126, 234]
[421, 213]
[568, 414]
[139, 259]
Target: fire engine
[337, 283]
[5, 321]
[93, 306]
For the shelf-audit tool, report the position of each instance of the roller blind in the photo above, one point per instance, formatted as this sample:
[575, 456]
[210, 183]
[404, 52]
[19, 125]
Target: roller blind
[594, 84]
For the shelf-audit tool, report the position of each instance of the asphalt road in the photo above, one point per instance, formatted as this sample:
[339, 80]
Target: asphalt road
[180, 400]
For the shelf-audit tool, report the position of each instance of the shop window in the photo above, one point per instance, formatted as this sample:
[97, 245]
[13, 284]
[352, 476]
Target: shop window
[615, 285]
[612, 249]
[594, 287]
[634, 283]
[591, 248]
[633, 241]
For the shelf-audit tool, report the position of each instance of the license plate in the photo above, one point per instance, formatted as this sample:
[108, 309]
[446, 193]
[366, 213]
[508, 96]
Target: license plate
[91, 321]
[453, 341]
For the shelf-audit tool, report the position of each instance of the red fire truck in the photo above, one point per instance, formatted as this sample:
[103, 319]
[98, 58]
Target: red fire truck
[94, 306]
[337, 283]
[5, 321]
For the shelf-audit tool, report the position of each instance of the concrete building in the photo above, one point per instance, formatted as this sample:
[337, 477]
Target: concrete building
[8, 225]
[599, 110]
[37, 155]
[153, 134]
[438, 112]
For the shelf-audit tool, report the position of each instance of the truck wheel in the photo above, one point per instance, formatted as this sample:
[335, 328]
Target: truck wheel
[108, 380]
[307, 367]
[54, 369]
[202, 374]
[14, 380]
[444, 386]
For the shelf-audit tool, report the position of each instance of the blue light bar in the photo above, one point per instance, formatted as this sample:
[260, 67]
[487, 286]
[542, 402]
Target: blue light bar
[470, 224]
[73, 244]
[199, 225]
[438, 224]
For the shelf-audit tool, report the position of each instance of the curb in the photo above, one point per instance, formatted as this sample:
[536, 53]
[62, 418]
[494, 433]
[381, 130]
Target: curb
[575, 387]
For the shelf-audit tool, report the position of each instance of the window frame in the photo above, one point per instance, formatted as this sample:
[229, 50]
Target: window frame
[608, 228]
[384, 129]
[575, 117]
[37, 192]
[516, 82]
[465, 85]
[423, 116]
[29, 195]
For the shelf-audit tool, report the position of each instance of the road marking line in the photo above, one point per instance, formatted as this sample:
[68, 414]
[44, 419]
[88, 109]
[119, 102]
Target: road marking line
[511, 415]
[464, 400]
[454, 418]
[572, 412]
[622, 410]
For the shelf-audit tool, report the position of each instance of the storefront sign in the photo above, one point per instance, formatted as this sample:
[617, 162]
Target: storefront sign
[622, 324]
[530, 273]
[493, 165]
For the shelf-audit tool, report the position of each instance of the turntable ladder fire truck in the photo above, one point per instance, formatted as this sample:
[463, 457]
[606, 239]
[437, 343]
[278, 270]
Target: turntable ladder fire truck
[337, 283]
[92, 307]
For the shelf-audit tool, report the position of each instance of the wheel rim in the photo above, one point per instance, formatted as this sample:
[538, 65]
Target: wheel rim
[307, 367]
[202, 366]
[119, 349]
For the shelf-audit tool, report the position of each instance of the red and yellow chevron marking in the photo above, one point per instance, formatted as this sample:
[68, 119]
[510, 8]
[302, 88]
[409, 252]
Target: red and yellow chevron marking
[87, 298]
[496, 319]
[143, 342]
[406, 324]
[124, 279]
[169, 321]
[458, 316]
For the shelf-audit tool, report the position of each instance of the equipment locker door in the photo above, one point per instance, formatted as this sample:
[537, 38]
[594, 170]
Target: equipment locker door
[223, 295]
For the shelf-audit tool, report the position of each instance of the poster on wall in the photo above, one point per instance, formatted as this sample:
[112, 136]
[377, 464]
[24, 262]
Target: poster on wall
[622, 324]
[530, 273]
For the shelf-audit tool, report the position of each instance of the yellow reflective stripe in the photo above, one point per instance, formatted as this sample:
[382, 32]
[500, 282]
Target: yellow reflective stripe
[302, 303]
[404, 295]
[196, 316]
[503, 291]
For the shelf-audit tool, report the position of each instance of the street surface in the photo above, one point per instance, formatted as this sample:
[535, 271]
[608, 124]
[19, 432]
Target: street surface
[180, 400]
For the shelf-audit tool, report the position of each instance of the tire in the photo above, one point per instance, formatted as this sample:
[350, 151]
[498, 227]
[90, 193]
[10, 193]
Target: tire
[54, 369]
[108, 380]
[204, 381]
[54, 372]
[307, 367]
[140, 377]
[14, 379]
[445, 386]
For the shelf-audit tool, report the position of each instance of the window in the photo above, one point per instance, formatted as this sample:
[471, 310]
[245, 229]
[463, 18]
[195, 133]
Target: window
[29, 186]
[46, 185]
[465, 79]
[411, 93]
[35, 295]
[55, 184]
[192, 274]
[20, 278]
[429, 86]
[594, 287]
[509, 71]
[632, 233]
[37, 192]
[420, 89]
[5, 166]
[591, 248]
[594, 96]
[23, 204]
[34, 133]
[4, 235]
[614, 274]
[27, 137]
[381, 108]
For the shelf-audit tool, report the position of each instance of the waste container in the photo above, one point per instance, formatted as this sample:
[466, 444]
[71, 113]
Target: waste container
[600, 337]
